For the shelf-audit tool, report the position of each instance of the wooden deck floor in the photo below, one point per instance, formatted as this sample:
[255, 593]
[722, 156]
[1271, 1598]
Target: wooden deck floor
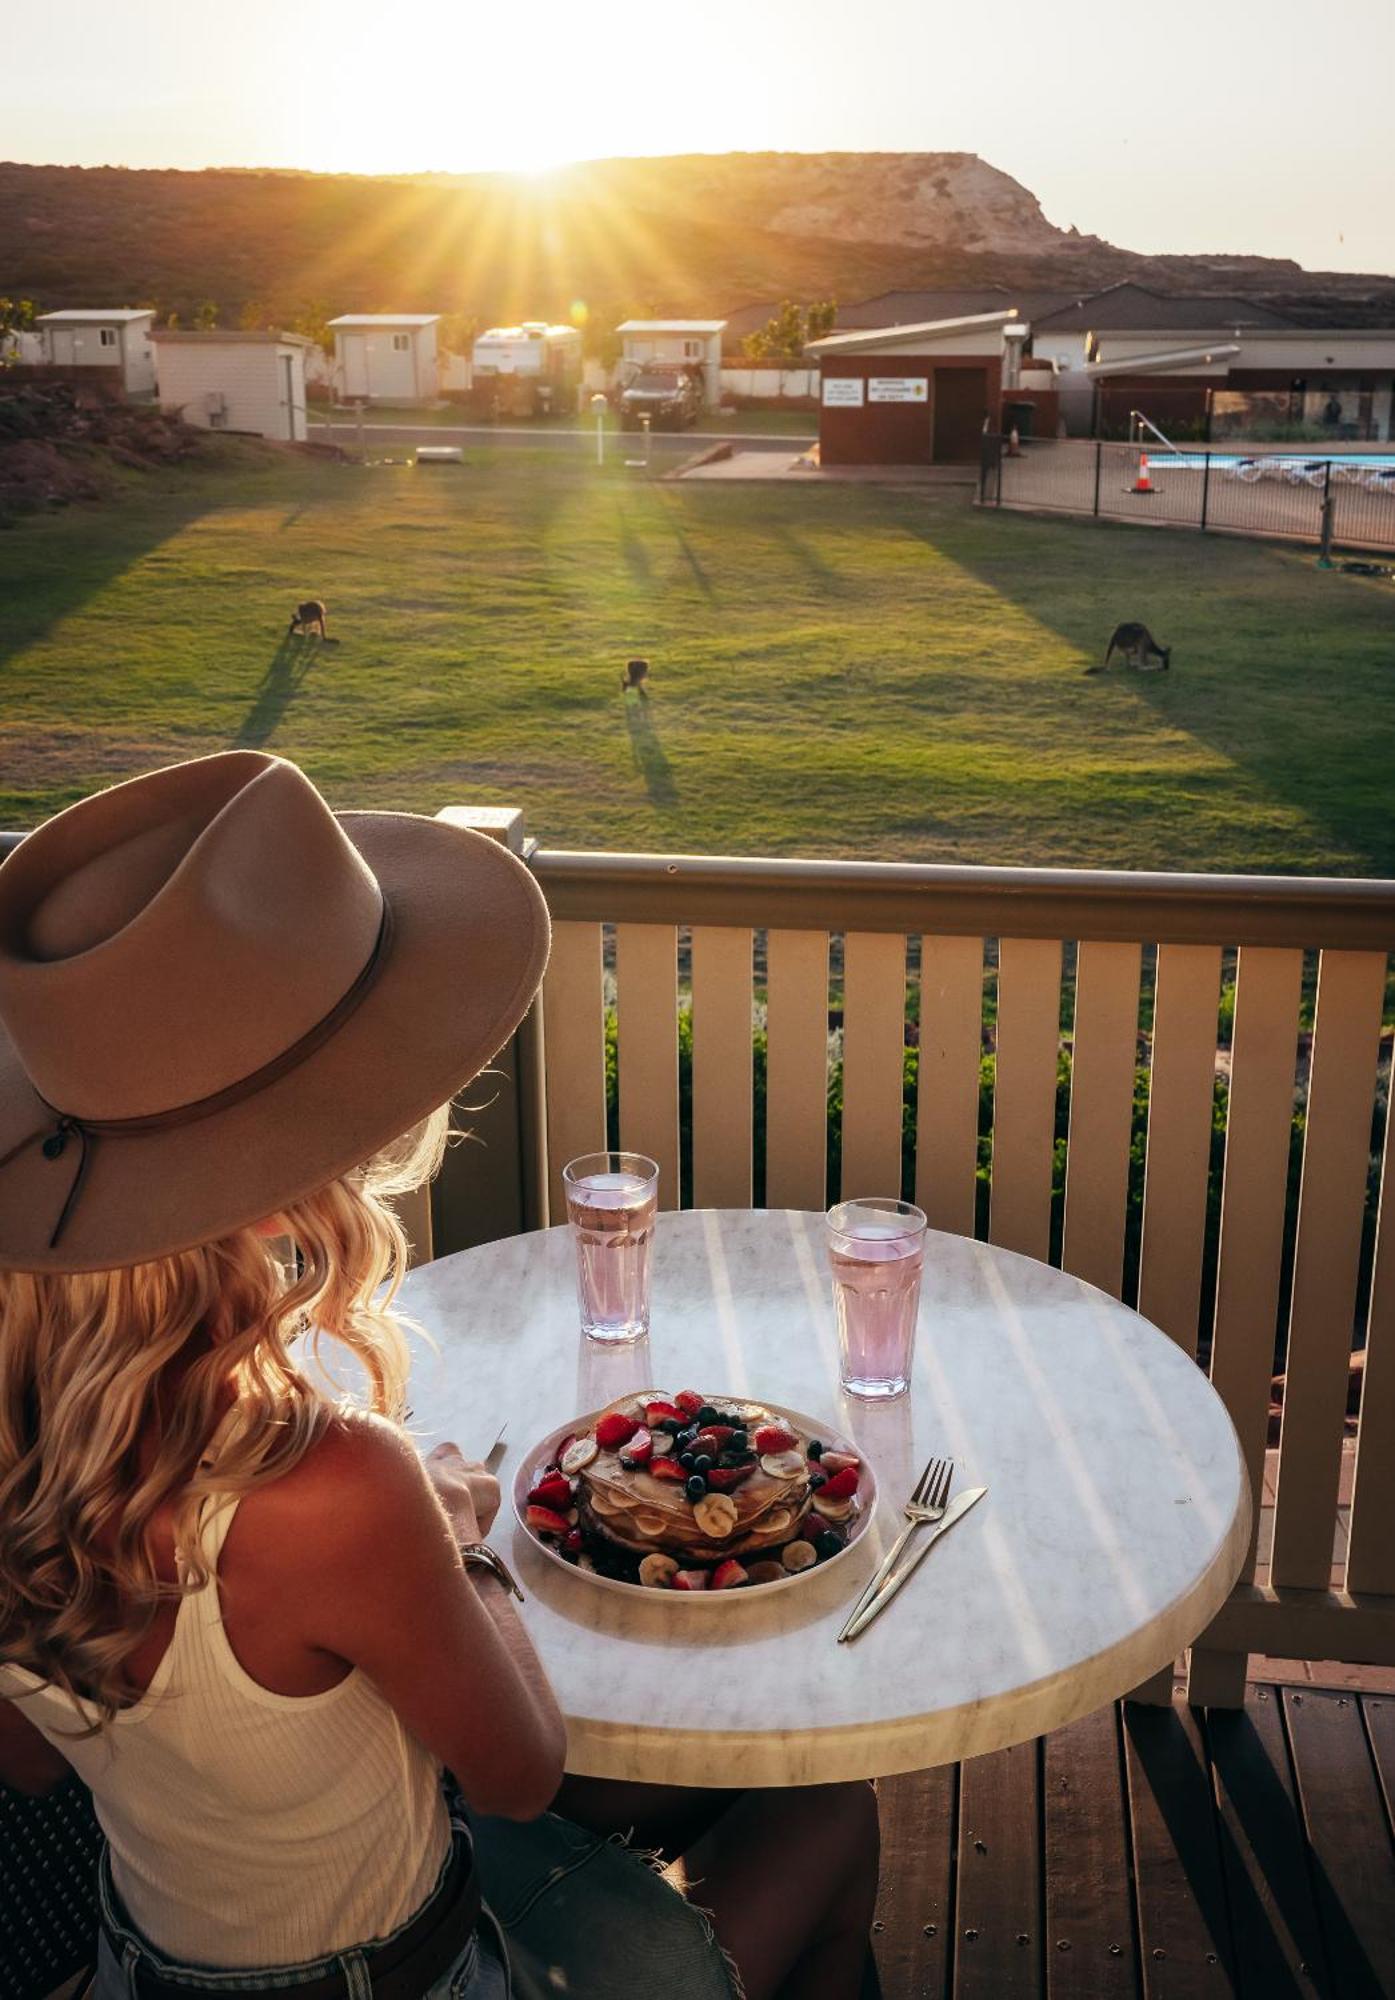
[1152, 1854]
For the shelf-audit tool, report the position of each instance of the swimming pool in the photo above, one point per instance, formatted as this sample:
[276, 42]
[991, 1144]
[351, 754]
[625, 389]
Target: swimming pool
[1286, 464]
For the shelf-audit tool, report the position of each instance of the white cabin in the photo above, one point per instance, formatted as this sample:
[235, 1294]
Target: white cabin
[688, 343]
[115, 337]
[386, 357]
[235, 381]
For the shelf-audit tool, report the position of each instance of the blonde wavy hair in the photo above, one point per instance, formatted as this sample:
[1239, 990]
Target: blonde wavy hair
[82, 1359]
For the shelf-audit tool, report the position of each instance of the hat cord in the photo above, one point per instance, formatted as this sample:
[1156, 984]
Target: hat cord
[53, 1135]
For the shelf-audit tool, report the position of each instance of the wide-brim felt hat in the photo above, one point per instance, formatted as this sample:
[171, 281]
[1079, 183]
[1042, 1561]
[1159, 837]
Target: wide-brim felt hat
[217, 996]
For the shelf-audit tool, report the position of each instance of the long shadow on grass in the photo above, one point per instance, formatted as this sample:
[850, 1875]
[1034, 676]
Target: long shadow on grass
[276, 690]
[650, 761]
[1250, 678]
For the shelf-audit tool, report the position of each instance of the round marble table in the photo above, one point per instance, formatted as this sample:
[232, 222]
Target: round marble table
[1116, 1521]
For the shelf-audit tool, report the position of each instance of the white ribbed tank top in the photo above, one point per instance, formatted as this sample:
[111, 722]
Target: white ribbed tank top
[249, 1828]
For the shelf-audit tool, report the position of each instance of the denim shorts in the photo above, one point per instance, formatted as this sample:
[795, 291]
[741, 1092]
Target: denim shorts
[566, 1912]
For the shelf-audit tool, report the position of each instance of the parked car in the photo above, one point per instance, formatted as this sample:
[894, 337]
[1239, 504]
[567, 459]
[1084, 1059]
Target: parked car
[669, 395]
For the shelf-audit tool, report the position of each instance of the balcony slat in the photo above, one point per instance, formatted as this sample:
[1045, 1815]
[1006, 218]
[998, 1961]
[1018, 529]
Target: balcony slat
[951, 1045]
[874, 1034]
[1371, 1549]
[1024, 1094]
[1104, 1058]
[1264, 1054]
[646, 979]
[796, 1075]
[1181, 1087]
[1336, 1152]
[721, 1067]
[574, 1036]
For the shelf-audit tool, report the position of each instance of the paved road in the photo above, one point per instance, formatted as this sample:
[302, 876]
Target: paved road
[626, 444]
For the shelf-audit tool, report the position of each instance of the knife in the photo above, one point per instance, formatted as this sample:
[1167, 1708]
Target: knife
[955, 1512]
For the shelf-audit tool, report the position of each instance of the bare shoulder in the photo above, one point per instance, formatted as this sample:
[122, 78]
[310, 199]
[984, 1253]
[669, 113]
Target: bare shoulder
[360, 1483]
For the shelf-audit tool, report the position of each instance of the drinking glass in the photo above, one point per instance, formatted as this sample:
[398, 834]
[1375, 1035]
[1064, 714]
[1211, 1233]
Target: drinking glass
[875, 1249]
[612, 1199]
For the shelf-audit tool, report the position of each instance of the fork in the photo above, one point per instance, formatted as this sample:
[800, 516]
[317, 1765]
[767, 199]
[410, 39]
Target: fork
[925, 1506]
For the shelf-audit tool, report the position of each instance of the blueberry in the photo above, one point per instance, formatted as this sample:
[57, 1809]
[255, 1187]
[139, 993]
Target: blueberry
[673, 1425]
[685, 1459]
[827, 1543]
[738, 1441]
[703, 1462]
[817, 1479]
[815, 1449]
[696, 1487]
[707, 1415]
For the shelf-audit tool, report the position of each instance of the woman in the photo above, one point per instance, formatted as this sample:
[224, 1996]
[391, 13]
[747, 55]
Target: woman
[249, 1617]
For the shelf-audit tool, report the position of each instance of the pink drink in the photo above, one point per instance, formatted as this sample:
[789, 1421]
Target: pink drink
[876, 1253]
[611, 1204]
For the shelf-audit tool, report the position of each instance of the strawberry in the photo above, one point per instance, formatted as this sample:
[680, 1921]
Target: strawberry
[554, 1492]
[690, 1579]
[656, 1413]
[666, 1468]
[712, 1437]
[639, 1450]
[688, 1401]
[841, 1484]
[572, 1542]
[614, 1430]
[543, 1521]
[771, 1438]
[838, 1461]
[722, 1478]
[728, 1574]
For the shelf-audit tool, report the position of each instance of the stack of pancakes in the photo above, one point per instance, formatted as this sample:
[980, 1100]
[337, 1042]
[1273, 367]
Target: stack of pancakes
[645, 1515]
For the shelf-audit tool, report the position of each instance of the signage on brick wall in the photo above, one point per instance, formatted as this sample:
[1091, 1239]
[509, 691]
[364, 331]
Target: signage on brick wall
[899, 389]
[843, 391]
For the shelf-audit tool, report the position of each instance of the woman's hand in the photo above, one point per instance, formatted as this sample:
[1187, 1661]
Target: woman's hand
[469, 1494]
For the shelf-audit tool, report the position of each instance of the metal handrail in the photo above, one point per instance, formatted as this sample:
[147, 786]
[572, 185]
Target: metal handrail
[1309, 912]
[1137, 417]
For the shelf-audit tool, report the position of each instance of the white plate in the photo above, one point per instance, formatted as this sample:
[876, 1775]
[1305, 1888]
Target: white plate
[542, 1454]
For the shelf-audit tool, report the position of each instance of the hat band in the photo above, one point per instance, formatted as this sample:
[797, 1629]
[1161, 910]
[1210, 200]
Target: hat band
[52, 1137]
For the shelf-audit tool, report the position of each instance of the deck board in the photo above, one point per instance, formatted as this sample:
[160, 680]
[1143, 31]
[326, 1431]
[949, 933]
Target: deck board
[1091, 1945]
[915, 1912]
[1348, 1833]
[998, 1913]
[1273, 1919]
[1184, 1932]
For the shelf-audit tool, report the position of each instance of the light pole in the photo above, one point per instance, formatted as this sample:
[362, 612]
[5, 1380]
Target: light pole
[600, 406]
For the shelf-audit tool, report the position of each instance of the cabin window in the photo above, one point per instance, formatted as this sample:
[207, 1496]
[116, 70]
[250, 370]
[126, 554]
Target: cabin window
[400, 343]
[107, 336]
[692, 350]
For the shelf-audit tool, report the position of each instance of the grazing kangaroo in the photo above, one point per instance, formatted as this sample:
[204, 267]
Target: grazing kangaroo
[311, 613]
[635, 675]
[1138, 647]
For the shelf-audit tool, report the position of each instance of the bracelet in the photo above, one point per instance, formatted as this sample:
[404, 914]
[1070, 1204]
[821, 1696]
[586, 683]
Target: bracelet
[479, 1555]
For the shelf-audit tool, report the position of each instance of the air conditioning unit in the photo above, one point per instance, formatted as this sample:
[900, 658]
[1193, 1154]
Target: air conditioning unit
[216, 404]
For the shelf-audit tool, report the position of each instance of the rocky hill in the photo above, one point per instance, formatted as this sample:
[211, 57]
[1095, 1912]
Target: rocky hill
[686, 234]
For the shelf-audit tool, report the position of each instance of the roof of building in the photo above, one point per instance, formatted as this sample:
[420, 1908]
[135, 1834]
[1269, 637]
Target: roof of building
[1127, 307]
[672, 326]
[385, 319]
[217, 336]
[889, 336]
[96, 315]
[918, 308]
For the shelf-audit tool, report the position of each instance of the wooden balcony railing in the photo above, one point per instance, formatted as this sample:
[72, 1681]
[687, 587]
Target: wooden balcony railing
[1138, 961]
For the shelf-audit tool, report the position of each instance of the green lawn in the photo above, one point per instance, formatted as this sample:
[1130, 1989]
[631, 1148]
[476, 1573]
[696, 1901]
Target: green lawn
[735, 423]
[835, 671]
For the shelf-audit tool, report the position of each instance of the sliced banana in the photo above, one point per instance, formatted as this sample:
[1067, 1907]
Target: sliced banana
[766, 1572]
[655, 1571]
[833, 1510]
[799, 1555]
[663, 1444]
[651, 1524]
[607, 1504]
[715, 1514]
[578, 1453]
[782, 1464]
[775, 1523]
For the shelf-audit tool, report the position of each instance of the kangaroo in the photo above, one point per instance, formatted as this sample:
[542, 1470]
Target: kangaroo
[635, 675]
[1138, 647]
[311, 613]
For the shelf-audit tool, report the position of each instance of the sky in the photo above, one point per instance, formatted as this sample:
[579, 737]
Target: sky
[1199, 125]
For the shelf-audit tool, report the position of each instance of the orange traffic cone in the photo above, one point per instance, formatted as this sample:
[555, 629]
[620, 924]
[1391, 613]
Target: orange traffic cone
[1143, 484]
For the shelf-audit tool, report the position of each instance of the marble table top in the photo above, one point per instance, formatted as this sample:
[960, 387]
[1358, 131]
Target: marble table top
[1116, 1521]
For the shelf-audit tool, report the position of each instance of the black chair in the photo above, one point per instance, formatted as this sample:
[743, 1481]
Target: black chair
[48, 1889]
